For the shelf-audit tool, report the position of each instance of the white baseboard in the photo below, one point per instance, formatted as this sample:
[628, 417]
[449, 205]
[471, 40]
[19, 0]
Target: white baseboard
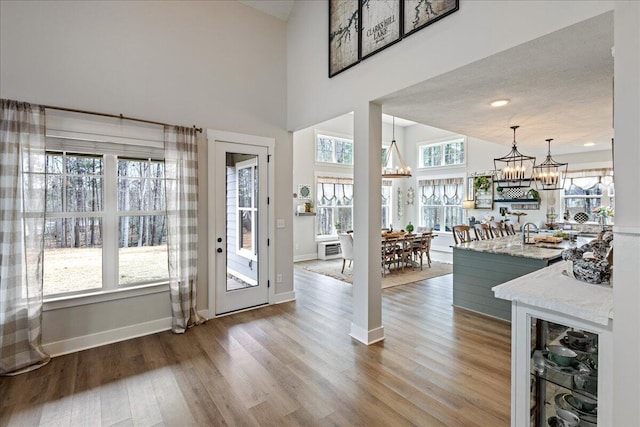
[284, 297]
[72, 345]
[367, 337]
[305, 257]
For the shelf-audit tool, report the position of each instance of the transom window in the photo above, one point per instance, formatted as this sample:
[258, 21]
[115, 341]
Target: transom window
[441, 203]
[448, 153]
[334, 150]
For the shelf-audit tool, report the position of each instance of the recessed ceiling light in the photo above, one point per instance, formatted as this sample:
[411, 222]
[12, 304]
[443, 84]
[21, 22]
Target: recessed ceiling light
[589, 144]
[499, 102]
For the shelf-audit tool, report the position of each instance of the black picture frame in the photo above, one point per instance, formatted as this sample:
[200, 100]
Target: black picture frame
[344, 35]
[418, 14]
[381, 25]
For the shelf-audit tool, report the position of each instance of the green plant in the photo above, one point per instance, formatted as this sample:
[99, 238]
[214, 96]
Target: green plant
[409, 227]
[481, 183]
[338, 224]
[534, 194]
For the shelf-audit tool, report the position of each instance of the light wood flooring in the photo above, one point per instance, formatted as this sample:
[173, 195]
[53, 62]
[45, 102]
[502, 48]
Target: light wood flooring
[289, 364]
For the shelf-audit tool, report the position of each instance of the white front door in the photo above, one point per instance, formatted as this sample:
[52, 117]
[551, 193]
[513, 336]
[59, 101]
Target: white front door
[240, 234]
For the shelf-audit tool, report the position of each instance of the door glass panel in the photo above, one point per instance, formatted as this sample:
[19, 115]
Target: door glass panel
[241, 220]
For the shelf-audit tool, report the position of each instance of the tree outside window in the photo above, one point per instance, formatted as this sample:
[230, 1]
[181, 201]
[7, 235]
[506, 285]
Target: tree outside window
[334, 150]
[441, 203]
[449, 153]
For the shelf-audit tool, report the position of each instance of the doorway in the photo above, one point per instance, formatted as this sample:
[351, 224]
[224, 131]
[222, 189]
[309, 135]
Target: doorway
[239, 232]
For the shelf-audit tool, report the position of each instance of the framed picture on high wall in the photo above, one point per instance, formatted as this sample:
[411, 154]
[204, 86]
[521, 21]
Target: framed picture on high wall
[343, 35]
[420, 13]
[381, 25]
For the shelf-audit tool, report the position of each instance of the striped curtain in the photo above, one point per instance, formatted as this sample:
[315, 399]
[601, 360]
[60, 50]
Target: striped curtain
[22, 202]
[181, 173]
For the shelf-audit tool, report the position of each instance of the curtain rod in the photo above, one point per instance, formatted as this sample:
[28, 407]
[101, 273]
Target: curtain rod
[120, 116]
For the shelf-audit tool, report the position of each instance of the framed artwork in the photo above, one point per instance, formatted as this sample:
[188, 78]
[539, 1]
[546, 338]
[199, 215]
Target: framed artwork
[420, 13]
[343, 35]
[381, 25]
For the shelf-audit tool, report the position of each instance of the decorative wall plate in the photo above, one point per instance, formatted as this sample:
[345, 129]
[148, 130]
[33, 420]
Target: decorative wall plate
[304, 191]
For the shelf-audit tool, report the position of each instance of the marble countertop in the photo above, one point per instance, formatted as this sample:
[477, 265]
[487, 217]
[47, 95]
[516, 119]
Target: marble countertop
[549, 288]
[512, 245]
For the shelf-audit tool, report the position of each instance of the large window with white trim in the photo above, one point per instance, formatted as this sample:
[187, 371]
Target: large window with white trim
[334, 205]
[105, 223]
[441, 203]
[586, 191]
[447, 153]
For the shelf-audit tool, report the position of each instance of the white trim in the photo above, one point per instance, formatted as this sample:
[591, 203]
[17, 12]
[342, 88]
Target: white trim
[214, 136]
[306, 257]
[626, 229]
[284, 297]
[334, 136]
[367, 337]
[66, 301]
[72, 345]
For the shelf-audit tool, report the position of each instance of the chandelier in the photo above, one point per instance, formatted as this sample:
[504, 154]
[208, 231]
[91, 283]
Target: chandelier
[550, 175]
[516, 169]
[399, 168]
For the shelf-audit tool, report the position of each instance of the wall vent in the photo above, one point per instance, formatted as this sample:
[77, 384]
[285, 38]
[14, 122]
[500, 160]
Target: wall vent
[329, 250]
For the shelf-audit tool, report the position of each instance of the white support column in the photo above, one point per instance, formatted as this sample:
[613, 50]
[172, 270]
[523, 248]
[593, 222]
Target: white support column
[626, 292]
[367, 280]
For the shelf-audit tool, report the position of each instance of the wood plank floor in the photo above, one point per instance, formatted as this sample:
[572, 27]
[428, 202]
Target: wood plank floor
[289, 364]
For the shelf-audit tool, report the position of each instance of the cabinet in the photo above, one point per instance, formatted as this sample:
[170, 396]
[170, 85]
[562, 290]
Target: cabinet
[545, 386]
[545, 306]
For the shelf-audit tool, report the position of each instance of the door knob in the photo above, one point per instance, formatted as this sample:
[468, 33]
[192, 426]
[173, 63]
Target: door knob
[219, 250]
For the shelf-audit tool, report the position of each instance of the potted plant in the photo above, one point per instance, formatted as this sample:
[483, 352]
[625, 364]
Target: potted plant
[409, 228]
[338, 226]
[535, 195]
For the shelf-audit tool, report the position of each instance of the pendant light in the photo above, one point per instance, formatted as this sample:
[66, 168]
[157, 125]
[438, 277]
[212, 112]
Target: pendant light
[550, 175]
[516, 168]
[399, 169]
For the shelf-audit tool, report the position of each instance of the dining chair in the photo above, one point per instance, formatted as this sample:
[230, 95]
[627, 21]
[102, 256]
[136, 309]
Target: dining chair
[461, 234]
[422, 246]
[508, 228]
[482, 232]
[497, 229]
[346, 247]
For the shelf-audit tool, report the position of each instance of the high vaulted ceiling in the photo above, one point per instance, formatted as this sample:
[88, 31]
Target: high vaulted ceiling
[560, 86]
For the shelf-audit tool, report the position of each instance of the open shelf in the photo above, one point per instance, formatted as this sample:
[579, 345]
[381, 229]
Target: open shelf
[305, 214]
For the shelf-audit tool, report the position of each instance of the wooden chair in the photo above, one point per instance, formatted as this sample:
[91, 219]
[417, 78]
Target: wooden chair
[389, 253]
[508, 228]
[346, 246]
[461, 234]
[422, 246]
[482, 232]
[497, 229]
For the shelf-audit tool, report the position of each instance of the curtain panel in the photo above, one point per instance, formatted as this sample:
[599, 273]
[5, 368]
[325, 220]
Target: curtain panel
[22, 222]
[181, 173]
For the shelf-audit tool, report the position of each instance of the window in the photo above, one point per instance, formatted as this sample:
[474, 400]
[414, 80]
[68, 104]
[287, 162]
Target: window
[105, 223]
[387, 203]
[441, 203]
[586, 190]
[247, 199]
[334, 150]
[334, 206]
[449, 153]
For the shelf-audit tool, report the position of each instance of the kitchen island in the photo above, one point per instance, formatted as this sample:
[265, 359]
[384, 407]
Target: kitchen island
[480, 265]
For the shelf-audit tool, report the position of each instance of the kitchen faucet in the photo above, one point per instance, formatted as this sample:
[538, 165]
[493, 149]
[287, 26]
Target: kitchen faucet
[526, 230]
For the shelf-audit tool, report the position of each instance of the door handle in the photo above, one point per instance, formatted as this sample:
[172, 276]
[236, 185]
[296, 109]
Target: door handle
[219, 250]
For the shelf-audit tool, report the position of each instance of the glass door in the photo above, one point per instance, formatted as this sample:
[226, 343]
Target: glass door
[241, 227]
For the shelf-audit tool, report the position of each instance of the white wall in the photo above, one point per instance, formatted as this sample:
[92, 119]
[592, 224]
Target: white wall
[218, 65]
